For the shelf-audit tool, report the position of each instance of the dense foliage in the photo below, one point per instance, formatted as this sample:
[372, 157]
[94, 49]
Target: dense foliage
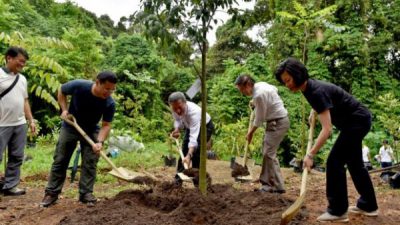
[354, 44]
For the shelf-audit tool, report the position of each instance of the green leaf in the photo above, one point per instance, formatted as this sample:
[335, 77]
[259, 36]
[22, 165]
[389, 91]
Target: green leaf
[287, 15]
[300, 9]
[325, 11]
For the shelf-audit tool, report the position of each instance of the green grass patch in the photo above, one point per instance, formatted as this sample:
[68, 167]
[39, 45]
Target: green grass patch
[38, 167]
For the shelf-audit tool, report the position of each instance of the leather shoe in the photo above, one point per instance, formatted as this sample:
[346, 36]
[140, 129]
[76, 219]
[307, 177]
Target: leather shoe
[15, 191]
[48, 200]
[87, 198]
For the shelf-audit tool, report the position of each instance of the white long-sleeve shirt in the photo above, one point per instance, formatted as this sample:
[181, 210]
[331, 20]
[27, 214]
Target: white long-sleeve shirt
[268, 104]
[191, 119]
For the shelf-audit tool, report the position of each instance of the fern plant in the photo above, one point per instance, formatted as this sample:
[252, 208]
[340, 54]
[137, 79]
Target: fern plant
[42, 72]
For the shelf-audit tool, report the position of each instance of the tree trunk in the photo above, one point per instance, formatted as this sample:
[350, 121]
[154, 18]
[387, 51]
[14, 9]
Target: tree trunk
[203, 130]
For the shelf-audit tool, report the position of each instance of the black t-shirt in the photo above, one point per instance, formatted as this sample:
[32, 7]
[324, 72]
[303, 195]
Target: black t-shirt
[345, 110]
[87, 108]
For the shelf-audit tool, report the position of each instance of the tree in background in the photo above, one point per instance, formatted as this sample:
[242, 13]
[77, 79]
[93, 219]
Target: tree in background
[195, 17]
[43, 72]
[306, 26]
[390, 118]
[232, 43]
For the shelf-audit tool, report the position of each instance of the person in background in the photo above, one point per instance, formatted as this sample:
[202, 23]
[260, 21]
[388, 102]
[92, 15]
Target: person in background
[269, 108]
[386, 154]
[187, 116]
[15, 114]
[366, 157]
[91, 102]
[335, 107]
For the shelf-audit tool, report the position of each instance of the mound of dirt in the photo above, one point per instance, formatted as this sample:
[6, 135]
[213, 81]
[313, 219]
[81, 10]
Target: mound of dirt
[239, 170]
[168, 203]
[195, 175]
[144, 180]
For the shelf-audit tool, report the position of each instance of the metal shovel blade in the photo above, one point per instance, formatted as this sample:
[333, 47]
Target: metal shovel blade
[184, 177]
[125, 174]
[250, 162]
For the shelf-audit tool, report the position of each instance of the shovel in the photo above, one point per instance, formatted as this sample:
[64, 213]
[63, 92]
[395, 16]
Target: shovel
[384, 169]
[119, 172]
[294, 208]
[183, 176]
[244, 161]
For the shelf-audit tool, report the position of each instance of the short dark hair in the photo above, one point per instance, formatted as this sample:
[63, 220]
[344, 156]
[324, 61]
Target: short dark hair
[107, 76]
[385, 142]
[244, 79]
[13, 51]
[295, 68]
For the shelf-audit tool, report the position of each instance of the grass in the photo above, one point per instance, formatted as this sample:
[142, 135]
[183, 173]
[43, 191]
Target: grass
[35, 171]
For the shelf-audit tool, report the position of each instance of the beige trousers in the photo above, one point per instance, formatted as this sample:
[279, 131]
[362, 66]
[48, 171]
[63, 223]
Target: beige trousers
[270, 172]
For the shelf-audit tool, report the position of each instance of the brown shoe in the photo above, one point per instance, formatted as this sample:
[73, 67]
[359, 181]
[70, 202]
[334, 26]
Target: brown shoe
[48, 200]
[15, 191]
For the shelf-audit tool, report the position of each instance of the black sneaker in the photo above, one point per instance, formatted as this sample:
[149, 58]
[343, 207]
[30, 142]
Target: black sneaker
[48, 200]
[87, 198]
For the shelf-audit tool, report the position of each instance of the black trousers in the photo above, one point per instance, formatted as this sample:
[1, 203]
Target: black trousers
[196, 154]
[347, 151]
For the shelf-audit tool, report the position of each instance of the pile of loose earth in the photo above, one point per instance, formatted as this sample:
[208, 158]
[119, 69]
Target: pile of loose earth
[167, 203]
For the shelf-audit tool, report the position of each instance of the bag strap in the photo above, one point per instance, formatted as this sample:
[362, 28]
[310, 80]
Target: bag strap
[10, 88]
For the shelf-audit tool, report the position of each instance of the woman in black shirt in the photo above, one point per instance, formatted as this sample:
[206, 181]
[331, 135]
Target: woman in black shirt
[335, 107]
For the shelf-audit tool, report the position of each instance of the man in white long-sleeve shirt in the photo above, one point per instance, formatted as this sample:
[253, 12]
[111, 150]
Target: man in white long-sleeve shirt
[187, 116]
[268, 108]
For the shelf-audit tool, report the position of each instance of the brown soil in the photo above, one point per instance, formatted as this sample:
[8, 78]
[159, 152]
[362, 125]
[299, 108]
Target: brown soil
[195, 175]
[144, 180]
[239, 170]
[175, 205]
[227, 202]
[36, 177]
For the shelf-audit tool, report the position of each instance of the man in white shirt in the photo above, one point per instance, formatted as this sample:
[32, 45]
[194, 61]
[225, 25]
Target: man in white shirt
[14, 113]
[386, 154]
[187, 116]
[268, 108]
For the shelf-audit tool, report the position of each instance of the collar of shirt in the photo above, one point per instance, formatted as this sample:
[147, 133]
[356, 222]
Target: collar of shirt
[5, 69]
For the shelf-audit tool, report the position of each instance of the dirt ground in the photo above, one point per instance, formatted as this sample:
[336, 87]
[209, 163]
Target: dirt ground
[227, 202]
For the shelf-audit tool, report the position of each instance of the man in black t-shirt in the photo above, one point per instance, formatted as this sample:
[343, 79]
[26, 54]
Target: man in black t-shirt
[335, 107]
[90, 103]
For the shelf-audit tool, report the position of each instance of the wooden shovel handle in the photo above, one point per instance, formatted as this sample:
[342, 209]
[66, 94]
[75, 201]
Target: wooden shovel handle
[309, 145]
[246, 146]
[70, 119]
[294, 208]
[179, 150]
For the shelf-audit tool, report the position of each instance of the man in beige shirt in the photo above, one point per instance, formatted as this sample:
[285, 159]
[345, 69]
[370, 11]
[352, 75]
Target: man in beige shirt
[268, 108]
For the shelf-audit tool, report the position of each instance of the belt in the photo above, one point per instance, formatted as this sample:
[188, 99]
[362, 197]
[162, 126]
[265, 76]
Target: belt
[276, 119]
